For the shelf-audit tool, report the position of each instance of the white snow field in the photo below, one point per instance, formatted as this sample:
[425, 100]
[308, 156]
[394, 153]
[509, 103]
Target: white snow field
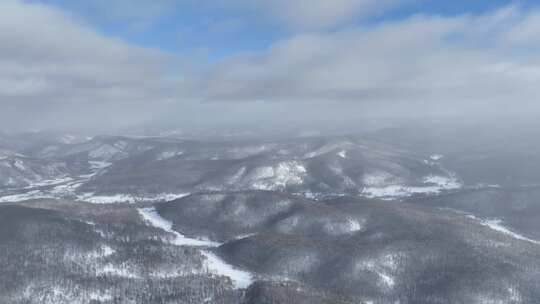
[431, 185]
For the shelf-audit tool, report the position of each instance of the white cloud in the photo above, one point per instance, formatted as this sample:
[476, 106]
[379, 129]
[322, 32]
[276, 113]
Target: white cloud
[51, 63]
[461, 62]
[49, 53]
[48, 59]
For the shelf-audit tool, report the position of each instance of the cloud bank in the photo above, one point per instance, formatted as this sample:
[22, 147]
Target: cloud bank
[51, 63]
[59, 72]
[423, 64]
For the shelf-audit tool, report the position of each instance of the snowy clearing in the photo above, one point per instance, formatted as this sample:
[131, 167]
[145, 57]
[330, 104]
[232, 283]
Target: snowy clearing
[432, 185]
[128, 198]
[151, 217]
[215, 265]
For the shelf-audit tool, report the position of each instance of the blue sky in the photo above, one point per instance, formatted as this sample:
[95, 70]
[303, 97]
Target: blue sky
[181, 28]
[220, 30]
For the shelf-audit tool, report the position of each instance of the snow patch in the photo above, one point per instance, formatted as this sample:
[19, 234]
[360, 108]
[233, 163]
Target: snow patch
[96, 165]
[214, 264]
[354, 225]
[103, 252]
[114, 270]
[5, 154]
[50, 182]
[128, 198]
[153, 218]
[100, 297]
[378, 179]
[65, 189]
[104, 152]
[14, 198]
[327, 149]
[101, 199]
[436, 157]
[497, 225]
[107, 251]
[383, 266]
[278, 177]
[514, 295]
[343, 227]
[387, 280]
[445, 183]
[19, 165]
[168, 155]
[237, 176]
[432, 185]
[263, 173]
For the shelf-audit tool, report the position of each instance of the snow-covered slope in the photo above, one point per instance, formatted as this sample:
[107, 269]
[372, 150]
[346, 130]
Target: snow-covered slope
[120, 169]
[17, 171]
[314, 167]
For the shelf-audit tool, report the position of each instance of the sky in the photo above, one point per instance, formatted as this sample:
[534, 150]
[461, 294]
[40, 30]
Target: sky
[109, 65]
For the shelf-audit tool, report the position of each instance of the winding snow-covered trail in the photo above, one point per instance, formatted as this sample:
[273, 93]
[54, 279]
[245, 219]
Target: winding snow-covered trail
[213, 263]
[153, 218]
[497, 225]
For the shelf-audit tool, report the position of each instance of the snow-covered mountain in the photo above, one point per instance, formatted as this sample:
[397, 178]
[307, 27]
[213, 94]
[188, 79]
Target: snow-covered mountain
[18, 171]
[115, 219]
[313, 167]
